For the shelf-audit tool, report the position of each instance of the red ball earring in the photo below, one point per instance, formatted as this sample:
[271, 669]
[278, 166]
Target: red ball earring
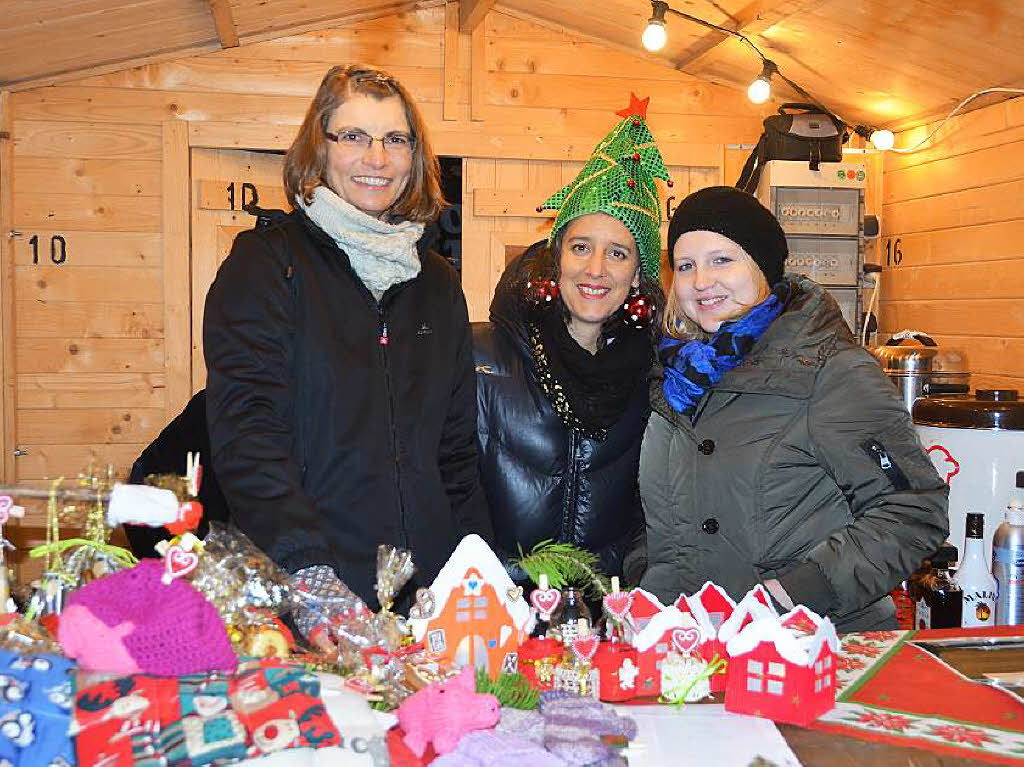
[541, 292]
[639, 311]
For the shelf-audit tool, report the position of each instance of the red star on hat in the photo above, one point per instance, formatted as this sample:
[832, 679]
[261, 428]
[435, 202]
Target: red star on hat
[637, 107]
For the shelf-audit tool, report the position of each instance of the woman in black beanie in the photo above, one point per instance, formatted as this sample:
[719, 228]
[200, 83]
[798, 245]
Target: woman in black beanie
[777, 452]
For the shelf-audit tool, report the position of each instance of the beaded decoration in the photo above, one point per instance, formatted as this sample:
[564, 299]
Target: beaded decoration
[618, 180]
[553, 389]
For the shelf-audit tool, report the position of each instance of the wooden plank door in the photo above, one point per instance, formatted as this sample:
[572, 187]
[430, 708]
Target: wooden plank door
[223, 181]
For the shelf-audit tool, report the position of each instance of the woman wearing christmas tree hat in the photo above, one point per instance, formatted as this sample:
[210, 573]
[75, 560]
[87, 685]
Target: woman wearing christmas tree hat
[777, 452]
[562, 365]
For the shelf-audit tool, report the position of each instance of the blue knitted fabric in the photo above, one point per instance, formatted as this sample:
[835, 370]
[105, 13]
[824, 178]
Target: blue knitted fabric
[36, 693]
[694, 367]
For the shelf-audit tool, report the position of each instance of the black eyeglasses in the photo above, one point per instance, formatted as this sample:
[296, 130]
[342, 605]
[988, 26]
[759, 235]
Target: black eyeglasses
[395, 143]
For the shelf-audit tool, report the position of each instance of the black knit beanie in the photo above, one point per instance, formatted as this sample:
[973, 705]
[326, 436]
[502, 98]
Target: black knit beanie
[737, 215]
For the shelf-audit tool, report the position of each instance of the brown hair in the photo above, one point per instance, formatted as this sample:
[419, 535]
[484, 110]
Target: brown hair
[306, 160]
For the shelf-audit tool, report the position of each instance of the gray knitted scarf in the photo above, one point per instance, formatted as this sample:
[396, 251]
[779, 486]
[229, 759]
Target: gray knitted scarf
[381, 254]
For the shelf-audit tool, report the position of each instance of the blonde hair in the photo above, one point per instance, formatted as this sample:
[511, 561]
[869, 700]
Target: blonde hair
[675, 323]
[306, 160]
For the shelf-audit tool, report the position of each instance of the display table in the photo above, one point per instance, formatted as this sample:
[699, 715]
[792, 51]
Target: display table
[902, 694]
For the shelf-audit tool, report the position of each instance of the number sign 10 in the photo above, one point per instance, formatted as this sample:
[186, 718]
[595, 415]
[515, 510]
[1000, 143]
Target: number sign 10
[58, 248]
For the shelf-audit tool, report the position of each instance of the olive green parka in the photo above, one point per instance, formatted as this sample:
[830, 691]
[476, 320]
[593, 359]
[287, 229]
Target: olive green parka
[801, 465]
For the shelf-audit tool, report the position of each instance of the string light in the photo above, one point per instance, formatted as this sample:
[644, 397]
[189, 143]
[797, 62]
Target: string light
[883, 139]
[655, 36]
[760, 90]
[880, 138]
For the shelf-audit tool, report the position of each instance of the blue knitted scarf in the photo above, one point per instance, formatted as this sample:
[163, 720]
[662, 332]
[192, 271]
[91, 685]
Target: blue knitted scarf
[694, 367]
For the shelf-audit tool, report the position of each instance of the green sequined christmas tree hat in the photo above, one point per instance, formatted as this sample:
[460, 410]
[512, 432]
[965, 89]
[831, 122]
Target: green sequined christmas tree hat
[618, 179]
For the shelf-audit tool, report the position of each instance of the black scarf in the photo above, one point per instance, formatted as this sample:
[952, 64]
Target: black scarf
[588, 391]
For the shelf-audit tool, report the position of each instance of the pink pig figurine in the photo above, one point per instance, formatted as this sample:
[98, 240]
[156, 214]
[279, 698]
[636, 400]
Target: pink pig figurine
[442, 713]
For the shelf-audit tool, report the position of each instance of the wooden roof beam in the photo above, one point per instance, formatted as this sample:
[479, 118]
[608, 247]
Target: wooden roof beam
[751, 19]
[472, 12]
[224, 23]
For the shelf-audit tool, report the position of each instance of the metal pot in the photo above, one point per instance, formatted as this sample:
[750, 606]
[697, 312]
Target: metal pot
[918, 368]
[977, 446]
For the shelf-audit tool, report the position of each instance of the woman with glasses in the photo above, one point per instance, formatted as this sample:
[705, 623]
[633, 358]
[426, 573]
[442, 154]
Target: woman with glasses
[341, 389]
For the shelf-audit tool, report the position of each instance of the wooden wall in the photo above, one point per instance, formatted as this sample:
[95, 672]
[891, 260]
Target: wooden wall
[96, 185]
[953, 240]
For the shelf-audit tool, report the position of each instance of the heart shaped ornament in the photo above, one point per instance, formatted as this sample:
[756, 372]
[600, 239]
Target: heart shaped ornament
[514, 593]
[684, 641]
[546, 601]
[585, 648]
[617, 603]
[178, 562]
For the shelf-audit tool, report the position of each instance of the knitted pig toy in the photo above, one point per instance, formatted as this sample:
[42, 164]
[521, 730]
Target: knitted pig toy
[442, 713]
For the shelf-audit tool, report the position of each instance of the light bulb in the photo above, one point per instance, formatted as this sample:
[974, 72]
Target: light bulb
[654, 36]
[759, 90]
[882, 139]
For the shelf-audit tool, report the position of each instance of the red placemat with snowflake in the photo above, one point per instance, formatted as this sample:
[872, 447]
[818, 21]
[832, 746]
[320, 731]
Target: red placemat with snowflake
[888, 689]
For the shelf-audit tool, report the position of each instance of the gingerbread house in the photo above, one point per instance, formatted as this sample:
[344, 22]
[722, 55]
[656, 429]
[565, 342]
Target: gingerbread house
[479, 617]
[783, 668]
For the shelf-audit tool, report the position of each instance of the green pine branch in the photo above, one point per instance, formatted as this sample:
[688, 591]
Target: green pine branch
[564, 565]
[511, 690]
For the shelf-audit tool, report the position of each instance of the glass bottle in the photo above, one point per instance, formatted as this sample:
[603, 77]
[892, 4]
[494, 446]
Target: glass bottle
[974, 577]
[568, 614]
[941, 603]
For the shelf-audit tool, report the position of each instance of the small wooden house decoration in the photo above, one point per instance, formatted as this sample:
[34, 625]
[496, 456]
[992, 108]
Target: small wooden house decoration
[783, 668]
[479, 617]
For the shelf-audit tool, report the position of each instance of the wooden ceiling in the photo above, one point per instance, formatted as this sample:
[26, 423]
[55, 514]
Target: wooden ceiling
[873, 61]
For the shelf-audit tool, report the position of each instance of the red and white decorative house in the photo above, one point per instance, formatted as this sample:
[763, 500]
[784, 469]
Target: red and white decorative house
[480, 618]
[643, 606]
[783, 668]
[668, 631]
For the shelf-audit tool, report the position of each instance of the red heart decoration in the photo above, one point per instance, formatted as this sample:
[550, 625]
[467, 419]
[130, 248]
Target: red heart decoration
[584, 649]
[685, 640]
[618, 603]
[179, 562]
[546, 600]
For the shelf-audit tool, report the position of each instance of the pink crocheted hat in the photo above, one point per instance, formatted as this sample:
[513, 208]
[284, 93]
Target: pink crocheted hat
[131, 622]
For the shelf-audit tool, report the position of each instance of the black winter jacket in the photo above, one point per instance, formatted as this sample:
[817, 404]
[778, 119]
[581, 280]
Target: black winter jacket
[338, 423]
[542, 479]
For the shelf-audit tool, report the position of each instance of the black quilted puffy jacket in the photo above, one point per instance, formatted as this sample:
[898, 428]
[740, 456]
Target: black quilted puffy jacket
[542, 479]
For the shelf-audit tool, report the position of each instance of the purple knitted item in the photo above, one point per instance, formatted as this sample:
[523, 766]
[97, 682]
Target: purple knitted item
[168, 630]
[573, 727]
[490, 749]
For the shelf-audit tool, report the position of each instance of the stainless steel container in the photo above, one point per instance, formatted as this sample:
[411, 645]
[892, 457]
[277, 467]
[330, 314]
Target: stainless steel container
[919, 368]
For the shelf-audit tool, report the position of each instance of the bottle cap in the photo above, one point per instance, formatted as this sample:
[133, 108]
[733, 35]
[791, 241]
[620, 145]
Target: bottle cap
[1015, 512]
[975, 524]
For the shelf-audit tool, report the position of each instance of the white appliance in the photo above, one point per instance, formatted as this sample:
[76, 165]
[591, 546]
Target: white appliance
[977, 446]
[822, 213]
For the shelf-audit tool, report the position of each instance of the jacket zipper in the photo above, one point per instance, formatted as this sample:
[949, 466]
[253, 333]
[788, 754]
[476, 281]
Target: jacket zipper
[572, 491]
[382, 342]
